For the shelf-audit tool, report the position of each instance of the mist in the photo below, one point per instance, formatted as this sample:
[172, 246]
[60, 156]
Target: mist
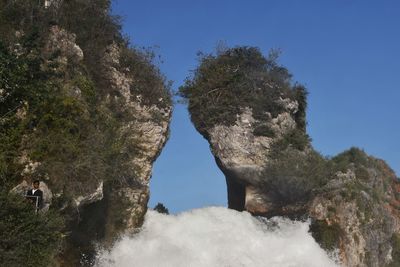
[216, 236]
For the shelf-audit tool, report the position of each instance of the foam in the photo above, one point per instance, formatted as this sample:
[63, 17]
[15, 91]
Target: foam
[216, 236]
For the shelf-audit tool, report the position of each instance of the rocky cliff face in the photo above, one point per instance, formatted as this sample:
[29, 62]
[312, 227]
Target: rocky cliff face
[146, 128]
[120, 202]
[271, 170]
[243, 156]
[117, 131]
[357, 211]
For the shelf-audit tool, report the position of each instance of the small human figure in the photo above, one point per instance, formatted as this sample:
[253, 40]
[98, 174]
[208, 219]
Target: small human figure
[35, 195]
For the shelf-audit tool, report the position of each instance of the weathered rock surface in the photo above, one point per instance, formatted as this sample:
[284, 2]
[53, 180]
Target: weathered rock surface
[357, 211]
[99, 209]
[242, 155]
[253, 117]
[64, 44]
[146, 129]
[361, 211]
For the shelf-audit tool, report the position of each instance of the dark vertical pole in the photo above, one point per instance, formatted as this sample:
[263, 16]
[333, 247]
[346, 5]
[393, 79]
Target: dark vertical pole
[37, 205]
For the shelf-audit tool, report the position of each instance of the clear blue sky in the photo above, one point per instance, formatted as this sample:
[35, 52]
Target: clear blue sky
[346, 52]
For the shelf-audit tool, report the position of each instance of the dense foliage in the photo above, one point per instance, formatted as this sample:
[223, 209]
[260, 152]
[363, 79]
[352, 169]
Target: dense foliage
[396, 250]
[73, 136]
[292, 175]
[224, 84]
[161, 208]
[95, 28]
[328, 236]
[40, 118]
[20, 81]
[27, 239]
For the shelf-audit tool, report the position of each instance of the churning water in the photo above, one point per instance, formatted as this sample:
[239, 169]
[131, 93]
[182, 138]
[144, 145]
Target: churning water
[216, 236]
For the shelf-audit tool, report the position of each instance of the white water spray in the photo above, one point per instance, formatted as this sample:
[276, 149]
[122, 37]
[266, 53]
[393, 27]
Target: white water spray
[216, 236]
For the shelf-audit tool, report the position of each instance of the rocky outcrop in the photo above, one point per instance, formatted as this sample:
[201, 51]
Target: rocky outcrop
[86, 113]
[146, 128]
[99, 208]
[359, 208]
[61, 45]
[271, 168]
[356, 211]
[242, 156]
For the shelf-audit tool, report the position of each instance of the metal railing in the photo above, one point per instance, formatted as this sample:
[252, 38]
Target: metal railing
[36, 201]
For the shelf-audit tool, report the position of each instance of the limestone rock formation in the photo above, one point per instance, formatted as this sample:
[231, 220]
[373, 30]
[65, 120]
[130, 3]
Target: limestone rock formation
[146, 128]
[119, 203]
[358, 212]
[271, 168]
[92, 128]
[245, 122]
[242, 155]
[64, 43]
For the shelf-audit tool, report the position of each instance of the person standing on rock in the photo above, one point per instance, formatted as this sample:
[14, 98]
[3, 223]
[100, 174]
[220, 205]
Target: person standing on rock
[35, 195]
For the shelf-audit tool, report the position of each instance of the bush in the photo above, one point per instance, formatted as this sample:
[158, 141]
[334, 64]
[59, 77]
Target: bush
[263, 130]
[27, 239]
[395, 242]
[161, 208]
[19, 80]
[353, 156]
[295, 138]
[60, 131]
[291, 175]
[224, 84]
[95, 29]
[328, 236]
[148, 81]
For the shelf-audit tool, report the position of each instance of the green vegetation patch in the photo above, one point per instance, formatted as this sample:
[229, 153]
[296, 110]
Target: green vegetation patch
[292, 175]
[354, 156]
[148, 82]
[160, 208]
[328, 236]
[296, 139]
[395, 242]
[233, 79]
[27, 239]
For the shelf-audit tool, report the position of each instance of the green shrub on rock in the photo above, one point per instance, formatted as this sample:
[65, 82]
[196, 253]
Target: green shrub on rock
[239, 77]
[160, 208]
[327, 235]
[26, 238]
[292, 175]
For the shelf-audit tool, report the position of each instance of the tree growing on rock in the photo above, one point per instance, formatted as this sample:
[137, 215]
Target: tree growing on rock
[161, 208]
